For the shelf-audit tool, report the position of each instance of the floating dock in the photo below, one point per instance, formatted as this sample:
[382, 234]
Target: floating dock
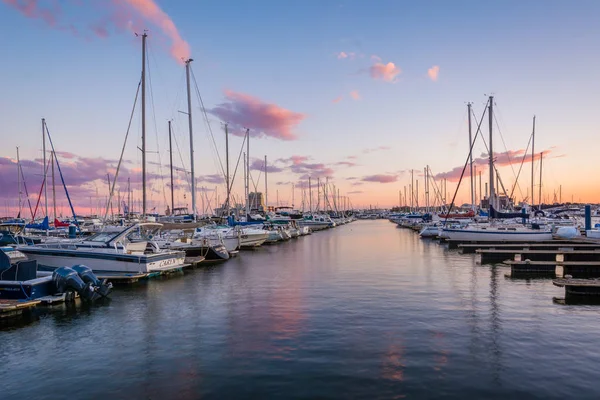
[579, 287]
[15, 308]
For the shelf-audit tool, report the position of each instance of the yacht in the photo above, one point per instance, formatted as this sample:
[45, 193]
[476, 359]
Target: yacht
[108, 252]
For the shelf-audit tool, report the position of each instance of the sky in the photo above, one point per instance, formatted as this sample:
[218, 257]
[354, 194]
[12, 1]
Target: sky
[353, 93]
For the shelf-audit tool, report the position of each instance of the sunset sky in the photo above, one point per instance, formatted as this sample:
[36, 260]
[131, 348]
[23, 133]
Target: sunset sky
[360, 92]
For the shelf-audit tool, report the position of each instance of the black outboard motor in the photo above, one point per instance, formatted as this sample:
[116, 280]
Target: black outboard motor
[66, 278]
[100, 286]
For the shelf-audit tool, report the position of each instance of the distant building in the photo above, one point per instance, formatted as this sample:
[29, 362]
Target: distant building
[257, 201]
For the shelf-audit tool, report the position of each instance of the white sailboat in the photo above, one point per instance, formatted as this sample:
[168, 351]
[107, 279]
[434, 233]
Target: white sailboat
[495, 232]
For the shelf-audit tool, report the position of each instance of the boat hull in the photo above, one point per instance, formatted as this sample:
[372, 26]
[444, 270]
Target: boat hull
[49, 260]
[495, 236]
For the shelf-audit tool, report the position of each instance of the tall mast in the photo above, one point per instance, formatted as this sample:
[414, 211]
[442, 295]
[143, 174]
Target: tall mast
[293, 190]
[309, 196]
[128, 197]
[52, 157]
[480, 191]
[266, 187]
[19, 180]
[532, 159]
[492, 197]
[45, 171]
[171, 163]
[475, 187]
[412, 187]
[471, 159]
[248, 208]
[318, 193]
[227, 169]
[427, 189]
[144, 36]
[189, 112]
[540, 193]
[417, 198]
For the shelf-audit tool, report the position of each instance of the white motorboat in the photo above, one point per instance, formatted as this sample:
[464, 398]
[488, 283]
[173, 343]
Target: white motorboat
[488, 233]
[107, 252]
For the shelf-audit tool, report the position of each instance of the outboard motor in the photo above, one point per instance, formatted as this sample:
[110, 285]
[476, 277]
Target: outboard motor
[100, 286]
[67, 278]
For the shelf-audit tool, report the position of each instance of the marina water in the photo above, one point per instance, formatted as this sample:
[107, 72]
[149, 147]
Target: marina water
[366, 310]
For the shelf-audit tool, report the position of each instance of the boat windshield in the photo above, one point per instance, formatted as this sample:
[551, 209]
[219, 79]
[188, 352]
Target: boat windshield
[103, 237]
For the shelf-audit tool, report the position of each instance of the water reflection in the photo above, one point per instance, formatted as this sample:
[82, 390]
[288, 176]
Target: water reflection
[366, 310]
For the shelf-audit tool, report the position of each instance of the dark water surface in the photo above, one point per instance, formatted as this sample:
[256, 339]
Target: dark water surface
[366, 310]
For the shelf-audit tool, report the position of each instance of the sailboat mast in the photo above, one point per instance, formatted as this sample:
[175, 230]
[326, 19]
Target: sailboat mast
[532, 159]
[309, 196]
[171, 164]
[248, 208]
[318, 194]
[492, 197]
[266, 187]
[19, 181]
[471, 158]
[540, 193]
[128, 197]
[190, 128]
[227, 168]
[52, 157]
[412, 186]
[144, 36]
[45, 171]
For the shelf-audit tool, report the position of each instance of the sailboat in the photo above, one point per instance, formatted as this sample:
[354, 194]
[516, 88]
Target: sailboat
[497, 232]
[111, 252]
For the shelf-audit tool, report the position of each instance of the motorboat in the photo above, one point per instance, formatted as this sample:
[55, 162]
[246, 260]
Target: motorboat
[20, 280]
[108, 252]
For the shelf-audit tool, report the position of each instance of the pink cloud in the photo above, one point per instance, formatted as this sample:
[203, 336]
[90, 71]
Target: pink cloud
[31, 9]
[263, 119]
[375, 58]
[433, 73]
[380, 178]
[212, 178]
[299, 165]
[180, 49]
[374, 149]
[386, 72]
[133, 15]
[355, 95]
[259, 165]
[342, 54]
[501, 160]
[337, 100]
[346, 163]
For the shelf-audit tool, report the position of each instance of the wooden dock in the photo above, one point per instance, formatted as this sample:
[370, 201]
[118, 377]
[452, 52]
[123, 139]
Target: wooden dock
[490, 256]
[15, 308]
[579, 287]
[469, 248]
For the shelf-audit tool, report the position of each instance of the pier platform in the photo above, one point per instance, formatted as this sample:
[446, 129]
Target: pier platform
[579, 287]
[15, 308]
[470, 248]
[490, 256]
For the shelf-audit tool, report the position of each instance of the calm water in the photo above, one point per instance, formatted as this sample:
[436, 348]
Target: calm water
[363, 311]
